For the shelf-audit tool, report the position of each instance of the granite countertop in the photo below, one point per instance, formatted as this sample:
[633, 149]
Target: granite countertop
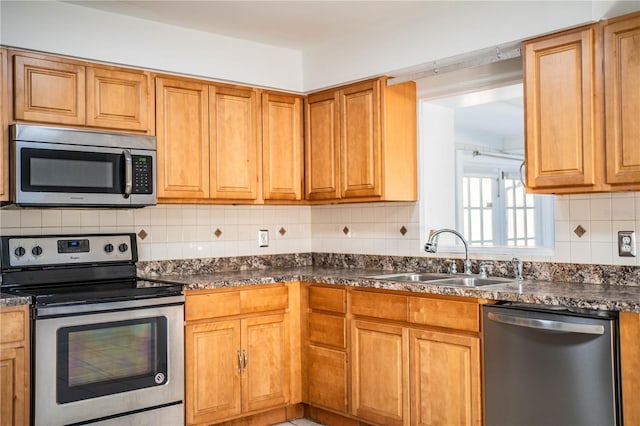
[11, 300]
[580, 295]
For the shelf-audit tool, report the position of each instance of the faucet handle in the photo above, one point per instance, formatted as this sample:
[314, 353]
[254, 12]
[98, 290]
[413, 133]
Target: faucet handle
[483, 268]
[454, 267]
[519, 267]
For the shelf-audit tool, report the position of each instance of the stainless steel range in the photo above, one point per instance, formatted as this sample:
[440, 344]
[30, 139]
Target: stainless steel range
[107, 347]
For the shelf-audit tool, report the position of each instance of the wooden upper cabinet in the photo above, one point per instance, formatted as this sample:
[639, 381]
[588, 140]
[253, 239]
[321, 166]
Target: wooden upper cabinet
[322, 145]
[73, 93]
[361, 143]
[49, 91]
[118, 99]
[360, 140]
[182, 119]
[622, 100]
[4, 133]
[234, 142]
[282, 168]
[561, 125]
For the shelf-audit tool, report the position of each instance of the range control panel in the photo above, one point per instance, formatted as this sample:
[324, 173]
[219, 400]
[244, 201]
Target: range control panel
[29, 251]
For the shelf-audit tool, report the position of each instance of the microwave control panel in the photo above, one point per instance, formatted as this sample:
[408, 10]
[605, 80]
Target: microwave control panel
[142, 174]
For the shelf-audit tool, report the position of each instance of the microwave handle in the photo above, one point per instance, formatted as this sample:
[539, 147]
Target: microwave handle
[128, 173]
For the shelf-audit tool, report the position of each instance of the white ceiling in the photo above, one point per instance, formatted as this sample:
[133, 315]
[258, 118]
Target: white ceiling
[297, 25]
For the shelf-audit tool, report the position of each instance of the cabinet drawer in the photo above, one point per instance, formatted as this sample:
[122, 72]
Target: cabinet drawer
[327, 330]
[379, 305]
[211, 305]
[12, 325]
[264, 299]
[445, 313]
[327, 299]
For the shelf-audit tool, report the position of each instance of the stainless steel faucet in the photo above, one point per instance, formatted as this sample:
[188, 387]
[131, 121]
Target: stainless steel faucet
[518, 268]
[432, 245]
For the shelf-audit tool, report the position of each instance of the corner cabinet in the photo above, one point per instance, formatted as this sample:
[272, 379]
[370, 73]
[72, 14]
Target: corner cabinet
[239, 353]
[581, 108]
[282, 145]
[73, 93]
[360, 143]
[14, 366]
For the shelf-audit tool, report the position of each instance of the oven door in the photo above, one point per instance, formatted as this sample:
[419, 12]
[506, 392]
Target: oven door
[67, 175]
[93, 365]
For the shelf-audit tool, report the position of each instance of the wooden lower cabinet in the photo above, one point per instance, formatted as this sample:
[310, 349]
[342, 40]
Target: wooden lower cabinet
[327, 378]
[236, 367]
[630, 366]
[14, 366]
[380, 372]
[239, 358]
[445, 379]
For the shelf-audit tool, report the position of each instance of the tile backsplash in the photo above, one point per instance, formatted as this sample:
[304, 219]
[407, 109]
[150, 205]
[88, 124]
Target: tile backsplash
[188, 231]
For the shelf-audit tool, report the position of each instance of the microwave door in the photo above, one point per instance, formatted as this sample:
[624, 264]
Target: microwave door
[67, 175]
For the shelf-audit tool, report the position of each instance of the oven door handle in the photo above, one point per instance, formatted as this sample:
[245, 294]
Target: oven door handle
[548, 325]
[128, 173]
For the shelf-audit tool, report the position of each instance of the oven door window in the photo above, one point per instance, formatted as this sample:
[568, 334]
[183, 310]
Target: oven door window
[108, 358]
[46, 170]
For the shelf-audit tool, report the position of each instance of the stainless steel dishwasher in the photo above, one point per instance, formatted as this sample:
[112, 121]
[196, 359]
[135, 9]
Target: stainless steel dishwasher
[550, 367]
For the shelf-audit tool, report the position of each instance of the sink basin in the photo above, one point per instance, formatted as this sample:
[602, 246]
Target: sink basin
[442, 279]
[471, 281]
[411, 276]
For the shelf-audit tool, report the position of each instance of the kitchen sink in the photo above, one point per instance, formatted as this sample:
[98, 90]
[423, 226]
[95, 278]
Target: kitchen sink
[411, 276]
[442, 279]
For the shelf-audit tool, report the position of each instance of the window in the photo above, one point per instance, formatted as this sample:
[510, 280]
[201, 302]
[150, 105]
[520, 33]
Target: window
[472, 148]
[496, 211]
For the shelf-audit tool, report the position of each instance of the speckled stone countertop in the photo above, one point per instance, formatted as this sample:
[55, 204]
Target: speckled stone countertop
[569, 294]
[11, 300]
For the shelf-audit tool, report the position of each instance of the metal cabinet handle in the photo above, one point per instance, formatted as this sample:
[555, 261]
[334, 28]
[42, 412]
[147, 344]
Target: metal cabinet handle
[128, 173]
[239, 362]
[549, 325]
[246, 358]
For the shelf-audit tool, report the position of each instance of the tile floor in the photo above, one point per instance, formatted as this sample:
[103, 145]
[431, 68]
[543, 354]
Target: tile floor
[299, 422]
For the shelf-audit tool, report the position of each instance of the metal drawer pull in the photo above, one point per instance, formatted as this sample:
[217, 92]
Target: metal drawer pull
[239, 361]
[549, 325]
[246, 359]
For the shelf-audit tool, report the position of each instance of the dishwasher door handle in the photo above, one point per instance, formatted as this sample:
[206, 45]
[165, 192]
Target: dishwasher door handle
[549, 325]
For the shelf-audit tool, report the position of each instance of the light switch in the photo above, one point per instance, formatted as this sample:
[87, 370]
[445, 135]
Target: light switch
[263, 238]
[626, 244]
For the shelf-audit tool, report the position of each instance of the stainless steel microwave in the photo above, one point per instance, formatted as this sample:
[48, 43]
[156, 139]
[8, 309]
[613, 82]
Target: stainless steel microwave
[52, 166]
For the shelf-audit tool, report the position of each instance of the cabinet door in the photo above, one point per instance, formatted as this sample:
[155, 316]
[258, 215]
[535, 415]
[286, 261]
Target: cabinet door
[182, 118]
[282, 147]
[630, 366]
[212, 371]
[13, 391]
[234, 143]
[360, 140]
[48, 91]
[117, 99]
[622, 100]
[445, 379]
[322, 136]
[327, 378]
[561, 128]
[4, 139]
[266, 378]
[379, 373]
[14, 366]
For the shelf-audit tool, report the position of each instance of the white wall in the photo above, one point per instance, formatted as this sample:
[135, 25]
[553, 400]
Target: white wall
[445, 29]
[83, 32]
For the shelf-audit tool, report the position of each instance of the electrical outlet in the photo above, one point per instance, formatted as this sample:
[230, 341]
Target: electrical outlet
[263, 238]
[626, 244]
